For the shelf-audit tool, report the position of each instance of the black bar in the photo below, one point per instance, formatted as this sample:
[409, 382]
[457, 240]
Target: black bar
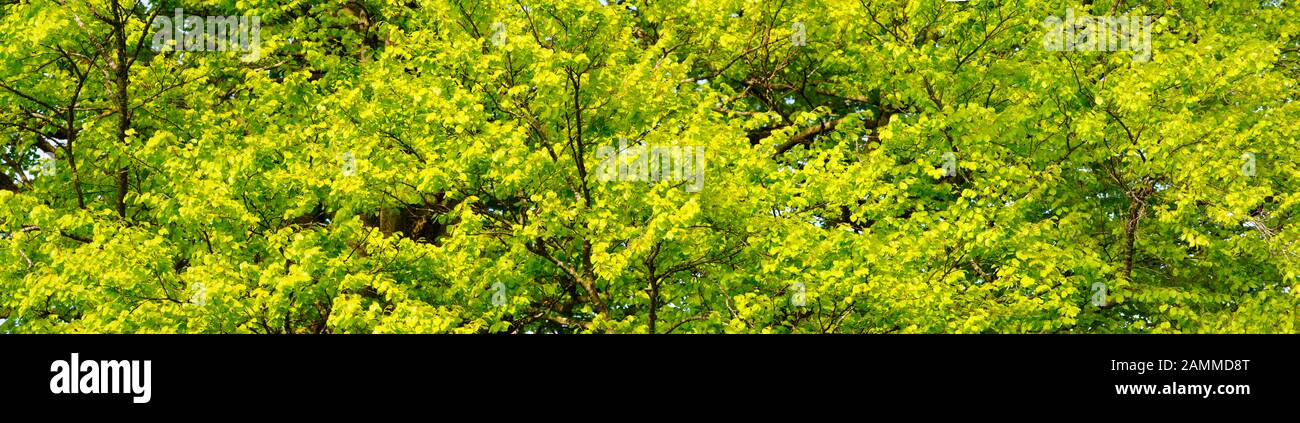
[462, 372]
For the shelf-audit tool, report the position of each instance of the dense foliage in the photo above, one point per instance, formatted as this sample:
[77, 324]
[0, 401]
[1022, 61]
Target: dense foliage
[868, 166]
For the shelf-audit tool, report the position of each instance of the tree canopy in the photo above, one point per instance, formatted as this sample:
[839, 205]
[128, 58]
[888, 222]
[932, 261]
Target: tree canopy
[828, 166]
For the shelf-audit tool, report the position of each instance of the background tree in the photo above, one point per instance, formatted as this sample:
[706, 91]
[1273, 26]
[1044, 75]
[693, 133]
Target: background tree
[386, 166]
